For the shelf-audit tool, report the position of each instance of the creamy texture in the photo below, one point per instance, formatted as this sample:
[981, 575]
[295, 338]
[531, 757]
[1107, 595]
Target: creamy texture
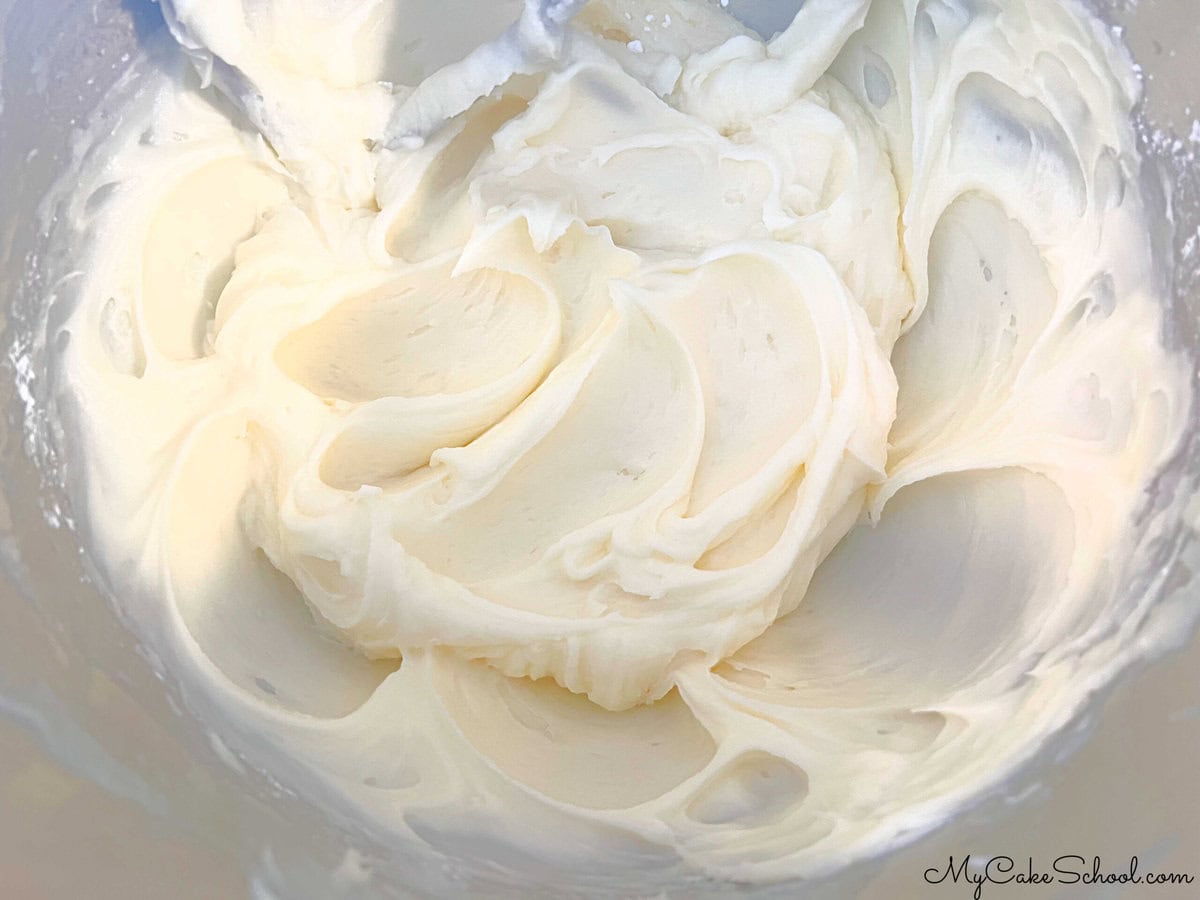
[704, 451]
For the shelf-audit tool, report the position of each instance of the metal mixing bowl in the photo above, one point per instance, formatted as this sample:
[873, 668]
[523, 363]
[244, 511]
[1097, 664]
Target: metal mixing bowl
[107, 789]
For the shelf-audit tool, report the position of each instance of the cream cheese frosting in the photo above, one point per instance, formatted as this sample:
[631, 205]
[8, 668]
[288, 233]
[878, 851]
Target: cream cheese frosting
[711, 452]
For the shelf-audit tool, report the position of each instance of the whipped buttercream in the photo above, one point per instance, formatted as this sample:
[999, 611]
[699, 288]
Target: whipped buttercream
[710, 452]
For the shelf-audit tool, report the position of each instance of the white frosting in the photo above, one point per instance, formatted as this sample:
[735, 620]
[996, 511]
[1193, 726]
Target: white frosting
[558, 374]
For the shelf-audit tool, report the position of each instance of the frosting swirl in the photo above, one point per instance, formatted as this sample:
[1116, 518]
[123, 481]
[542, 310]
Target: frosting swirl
[772, 416]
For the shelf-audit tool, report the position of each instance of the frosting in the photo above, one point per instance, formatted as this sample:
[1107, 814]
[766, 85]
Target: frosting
[708, 451]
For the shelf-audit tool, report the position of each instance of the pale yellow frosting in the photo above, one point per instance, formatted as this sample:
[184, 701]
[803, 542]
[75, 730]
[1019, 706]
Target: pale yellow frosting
[704, 451]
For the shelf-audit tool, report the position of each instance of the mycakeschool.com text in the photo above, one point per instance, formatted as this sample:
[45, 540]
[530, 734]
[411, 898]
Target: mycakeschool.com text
[978, 872]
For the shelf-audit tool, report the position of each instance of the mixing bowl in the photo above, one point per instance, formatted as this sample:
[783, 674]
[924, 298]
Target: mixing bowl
[109, 786]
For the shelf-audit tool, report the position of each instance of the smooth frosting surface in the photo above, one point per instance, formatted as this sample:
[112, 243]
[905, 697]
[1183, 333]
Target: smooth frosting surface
[709, 452]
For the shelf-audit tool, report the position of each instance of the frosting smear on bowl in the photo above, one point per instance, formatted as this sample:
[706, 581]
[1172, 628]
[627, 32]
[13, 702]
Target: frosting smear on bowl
[710, 452]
